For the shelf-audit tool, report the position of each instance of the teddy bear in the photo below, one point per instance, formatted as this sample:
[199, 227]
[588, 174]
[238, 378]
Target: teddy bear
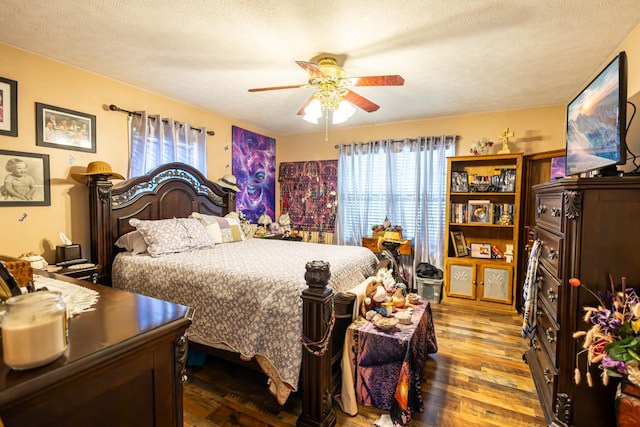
[375, 295]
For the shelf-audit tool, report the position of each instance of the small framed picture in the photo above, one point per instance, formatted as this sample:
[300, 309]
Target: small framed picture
[480, 211]
[8, 107]
[459, 243]
[67, 129]
[459, 182]
[481, 250]
[24, 179]
[507, 180]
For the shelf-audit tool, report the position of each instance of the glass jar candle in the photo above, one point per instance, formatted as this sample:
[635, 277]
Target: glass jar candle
[34, 329]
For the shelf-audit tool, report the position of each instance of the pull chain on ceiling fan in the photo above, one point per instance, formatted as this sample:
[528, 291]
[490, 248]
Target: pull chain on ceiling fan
[333, 94]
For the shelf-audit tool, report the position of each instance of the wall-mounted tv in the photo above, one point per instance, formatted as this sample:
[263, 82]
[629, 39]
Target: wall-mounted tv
[596, 122]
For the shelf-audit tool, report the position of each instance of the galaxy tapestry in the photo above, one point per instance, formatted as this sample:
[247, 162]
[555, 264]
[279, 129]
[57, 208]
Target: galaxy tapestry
[254, 166]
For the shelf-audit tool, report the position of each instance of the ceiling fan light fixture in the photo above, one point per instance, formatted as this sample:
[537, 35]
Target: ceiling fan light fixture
[313, 112]
[343, 113]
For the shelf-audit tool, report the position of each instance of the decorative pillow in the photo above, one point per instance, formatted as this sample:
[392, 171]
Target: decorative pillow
[231, 228]
[172, 235]
[210, 224]
[132, 242]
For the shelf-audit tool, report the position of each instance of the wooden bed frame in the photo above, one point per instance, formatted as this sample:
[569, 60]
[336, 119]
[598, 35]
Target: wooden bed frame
[176, 190]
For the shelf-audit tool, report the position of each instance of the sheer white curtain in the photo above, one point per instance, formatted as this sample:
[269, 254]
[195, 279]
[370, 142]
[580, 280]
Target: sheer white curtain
[155, 140]
[403, 180]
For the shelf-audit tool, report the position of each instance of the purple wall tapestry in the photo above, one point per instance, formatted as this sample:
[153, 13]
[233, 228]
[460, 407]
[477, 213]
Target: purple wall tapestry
[308, 194]
[254, 166]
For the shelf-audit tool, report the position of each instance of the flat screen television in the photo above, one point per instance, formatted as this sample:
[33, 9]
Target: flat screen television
[596, 123]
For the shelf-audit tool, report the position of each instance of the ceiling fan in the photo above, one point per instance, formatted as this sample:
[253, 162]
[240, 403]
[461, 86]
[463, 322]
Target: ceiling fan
[333, 86]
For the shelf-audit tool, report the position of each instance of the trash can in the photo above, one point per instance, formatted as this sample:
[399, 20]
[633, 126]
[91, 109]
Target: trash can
[429, 289]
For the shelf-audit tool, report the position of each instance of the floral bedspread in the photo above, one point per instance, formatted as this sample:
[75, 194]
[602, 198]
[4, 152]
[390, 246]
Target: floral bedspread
[246, 295]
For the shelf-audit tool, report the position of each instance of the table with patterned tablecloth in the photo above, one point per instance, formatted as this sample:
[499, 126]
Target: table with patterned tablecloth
[384, 368]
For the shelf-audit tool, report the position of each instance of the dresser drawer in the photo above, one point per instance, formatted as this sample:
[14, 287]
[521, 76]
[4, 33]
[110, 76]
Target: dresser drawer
[544, 375]
[550, 252]
[547, 332]
[549, 211]
[548, 291]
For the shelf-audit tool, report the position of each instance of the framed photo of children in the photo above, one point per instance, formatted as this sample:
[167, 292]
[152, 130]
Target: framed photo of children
[24, 179]
[67, 129]
[8, 107]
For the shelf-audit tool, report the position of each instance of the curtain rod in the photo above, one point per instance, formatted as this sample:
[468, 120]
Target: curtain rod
[454, 137]
[116, 108]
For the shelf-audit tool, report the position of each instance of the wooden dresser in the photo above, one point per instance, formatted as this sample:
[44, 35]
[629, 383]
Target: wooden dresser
[123, 367]
[589, 229]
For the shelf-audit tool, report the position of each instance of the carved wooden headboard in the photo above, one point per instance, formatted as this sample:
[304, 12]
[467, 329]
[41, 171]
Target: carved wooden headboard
[172, 190]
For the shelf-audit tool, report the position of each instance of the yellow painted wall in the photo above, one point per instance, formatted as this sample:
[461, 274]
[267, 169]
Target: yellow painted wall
[50, 82]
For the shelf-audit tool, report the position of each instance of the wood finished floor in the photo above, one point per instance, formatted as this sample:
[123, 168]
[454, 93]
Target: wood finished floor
[477, 378]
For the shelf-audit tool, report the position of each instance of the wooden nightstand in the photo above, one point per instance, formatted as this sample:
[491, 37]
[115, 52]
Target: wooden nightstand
[372, 243]
[90, 274]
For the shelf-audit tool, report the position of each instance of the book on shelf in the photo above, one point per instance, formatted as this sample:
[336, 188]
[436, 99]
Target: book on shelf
[481, 211]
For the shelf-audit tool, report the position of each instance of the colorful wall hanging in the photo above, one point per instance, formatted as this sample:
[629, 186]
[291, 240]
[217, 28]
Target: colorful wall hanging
[308, 194]
[254, 166]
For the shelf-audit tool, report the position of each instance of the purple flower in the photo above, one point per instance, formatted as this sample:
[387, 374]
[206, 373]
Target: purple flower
[618, 366]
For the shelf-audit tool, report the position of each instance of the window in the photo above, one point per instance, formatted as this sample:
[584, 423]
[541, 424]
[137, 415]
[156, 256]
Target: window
[401, 180]
[155, 141]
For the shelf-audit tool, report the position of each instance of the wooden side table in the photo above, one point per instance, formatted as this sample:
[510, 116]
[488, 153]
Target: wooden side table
[90, 274]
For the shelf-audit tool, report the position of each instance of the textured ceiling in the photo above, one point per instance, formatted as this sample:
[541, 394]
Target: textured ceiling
[456, 56]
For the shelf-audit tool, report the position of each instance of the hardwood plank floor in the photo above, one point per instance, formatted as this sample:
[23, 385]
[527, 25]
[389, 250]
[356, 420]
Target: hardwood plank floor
[477, 378]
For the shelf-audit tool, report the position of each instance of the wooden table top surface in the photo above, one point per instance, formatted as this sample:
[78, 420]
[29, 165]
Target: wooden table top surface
[120, 319]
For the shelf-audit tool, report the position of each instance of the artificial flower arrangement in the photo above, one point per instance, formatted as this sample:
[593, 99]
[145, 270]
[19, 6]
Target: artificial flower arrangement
[385, 226]
[613, 342]
[481, 145]
[245, 224]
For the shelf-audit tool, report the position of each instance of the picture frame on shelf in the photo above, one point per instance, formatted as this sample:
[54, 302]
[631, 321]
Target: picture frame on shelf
[507, 180]
[481, 250]
[58, 127]
[459, 182]
[8, 107]
[24, 179]
[479, 211]
[459, 244]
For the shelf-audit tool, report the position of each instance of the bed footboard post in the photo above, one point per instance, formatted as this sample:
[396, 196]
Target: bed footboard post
[100, 225]
[317, 322]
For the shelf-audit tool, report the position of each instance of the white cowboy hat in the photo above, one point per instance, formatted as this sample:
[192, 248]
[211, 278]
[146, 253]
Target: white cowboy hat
[229, 181]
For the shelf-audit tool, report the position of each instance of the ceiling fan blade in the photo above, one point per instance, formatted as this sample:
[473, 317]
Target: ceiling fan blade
[262, 89]
[392, 80]
[311, 68]
[360, 101]
[301, 111]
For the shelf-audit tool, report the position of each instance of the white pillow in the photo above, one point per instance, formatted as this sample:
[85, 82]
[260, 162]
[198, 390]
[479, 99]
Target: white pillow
[172, 235]
[132, 242]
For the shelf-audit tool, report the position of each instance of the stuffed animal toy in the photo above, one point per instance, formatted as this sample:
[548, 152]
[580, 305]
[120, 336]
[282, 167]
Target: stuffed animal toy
[375, 295]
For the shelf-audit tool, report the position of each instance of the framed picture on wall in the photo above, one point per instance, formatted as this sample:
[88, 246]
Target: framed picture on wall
[8, 107]
[67, 129]
[24, 179]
